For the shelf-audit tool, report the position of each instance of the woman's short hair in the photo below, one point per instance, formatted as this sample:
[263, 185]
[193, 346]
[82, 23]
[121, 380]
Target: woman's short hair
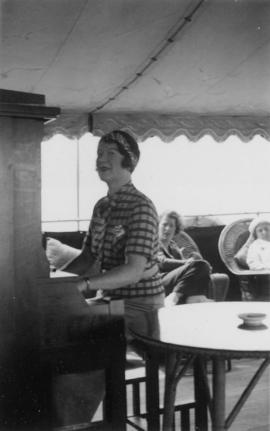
[179, 224]
[127, 146]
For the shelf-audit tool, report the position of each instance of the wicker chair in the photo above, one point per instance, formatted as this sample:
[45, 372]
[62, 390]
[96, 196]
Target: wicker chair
[254, 285]
[219, 285]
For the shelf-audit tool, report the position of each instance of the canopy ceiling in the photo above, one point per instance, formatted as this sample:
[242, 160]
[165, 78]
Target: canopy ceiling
[161, 67]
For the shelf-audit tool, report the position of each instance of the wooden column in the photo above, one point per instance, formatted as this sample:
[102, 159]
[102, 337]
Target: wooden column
[22, 259]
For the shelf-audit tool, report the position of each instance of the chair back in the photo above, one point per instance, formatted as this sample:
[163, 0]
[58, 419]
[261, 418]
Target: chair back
[186, 243]
[231, 239]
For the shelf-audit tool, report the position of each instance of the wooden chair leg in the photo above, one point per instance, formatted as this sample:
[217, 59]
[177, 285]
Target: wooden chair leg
[185, 420]
[201, 418]
[137, 417]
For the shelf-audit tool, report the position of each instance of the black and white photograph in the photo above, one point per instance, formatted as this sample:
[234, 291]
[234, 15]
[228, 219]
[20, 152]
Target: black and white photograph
[135, 215]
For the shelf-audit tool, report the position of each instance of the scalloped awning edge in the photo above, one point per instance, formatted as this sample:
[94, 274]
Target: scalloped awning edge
[165, 126]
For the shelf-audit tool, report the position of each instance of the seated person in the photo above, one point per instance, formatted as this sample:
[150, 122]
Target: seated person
[258, 254]
[184, 280]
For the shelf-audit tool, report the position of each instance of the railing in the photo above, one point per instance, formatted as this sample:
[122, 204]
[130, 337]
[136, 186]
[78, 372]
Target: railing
[79, 224]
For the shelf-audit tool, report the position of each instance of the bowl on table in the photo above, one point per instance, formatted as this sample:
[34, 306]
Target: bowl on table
[252, 320]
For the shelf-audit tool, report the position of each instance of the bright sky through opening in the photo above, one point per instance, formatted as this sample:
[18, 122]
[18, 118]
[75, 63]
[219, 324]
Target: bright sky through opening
[198, 178]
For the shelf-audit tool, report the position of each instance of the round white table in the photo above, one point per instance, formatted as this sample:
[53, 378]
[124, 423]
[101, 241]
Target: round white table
[204, 330]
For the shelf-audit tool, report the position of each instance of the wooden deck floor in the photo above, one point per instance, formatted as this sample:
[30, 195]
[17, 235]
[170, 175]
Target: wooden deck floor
[255, 414]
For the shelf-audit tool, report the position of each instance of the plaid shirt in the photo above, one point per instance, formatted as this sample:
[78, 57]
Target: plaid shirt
[122, 224]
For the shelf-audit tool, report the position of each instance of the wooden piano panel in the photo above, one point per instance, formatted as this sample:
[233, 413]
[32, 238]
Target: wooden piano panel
[78, 338]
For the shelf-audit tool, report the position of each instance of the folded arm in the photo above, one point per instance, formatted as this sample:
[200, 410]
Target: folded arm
[168, 264]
